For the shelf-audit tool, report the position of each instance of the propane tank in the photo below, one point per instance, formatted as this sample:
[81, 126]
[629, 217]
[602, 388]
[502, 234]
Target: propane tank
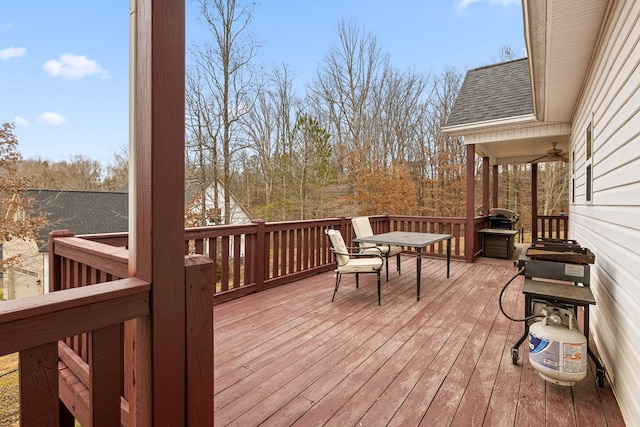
[557, 349]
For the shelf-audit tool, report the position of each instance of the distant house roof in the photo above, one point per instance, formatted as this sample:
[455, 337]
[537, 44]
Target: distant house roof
[81, 212]
[493, 92]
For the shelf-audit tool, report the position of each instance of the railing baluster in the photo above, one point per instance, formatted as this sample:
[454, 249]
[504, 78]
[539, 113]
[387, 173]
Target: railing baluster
[39, 404]
[105, 371]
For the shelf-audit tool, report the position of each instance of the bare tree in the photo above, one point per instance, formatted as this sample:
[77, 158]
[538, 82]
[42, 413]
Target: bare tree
[554, 187]
[225, 63]
[345, 87]
[444, 156]
[505, 53]
[268, 127]
[202, 134]
[401, 95]
[118, 171]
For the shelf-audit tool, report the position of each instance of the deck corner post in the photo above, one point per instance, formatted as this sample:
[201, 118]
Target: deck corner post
[54, 278]
[199, 321]
[387, 223]
[343, 226]
[157, 238]
[260, 254]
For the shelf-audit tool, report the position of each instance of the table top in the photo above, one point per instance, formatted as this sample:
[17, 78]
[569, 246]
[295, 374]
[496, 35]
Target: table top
[405, 238]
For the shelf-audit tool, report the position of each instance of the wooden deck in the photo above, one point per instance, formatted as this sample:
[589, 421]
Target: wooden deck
[289, 356]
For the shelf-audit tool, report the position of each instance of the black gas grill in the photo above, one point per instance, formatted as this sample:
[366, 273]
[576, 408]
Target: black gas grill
[504, 219]
[558, 260]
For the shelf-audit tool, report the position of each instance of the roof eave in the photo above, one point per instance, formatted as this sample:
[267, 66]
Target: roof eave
[466, 128]
[535, 45]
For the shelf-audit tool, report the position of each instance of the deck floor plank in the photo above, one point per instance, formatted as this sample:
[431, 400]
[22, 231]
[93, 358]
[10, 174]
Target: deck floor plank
[289, 356]
[506, 389]
[475, 401]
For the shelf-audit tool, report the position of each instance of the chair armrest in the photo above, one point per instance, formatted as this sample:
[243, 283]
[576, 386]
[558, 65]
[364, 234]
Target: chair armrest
[359, 254]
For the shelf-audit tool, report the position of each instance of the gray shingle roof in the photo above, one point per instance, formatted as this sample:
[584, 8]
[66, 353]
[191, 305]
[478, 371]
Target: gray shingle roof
[493, 92]
[82, 212]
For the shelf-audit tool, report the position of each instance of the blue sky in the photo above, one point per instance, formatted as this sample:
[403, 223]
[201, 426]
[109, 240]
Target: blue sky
[64, 65]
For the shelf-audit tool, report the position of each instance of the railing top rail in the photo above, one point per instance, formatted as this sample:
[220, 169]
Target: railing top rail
[289, 225]
[110, 259]
[446, 220]
[219, 230]
[32, 321]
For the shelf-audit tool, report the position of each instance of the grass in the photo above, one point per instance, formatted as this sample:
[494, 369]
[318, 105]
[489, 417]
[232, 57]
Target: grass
[9, 391]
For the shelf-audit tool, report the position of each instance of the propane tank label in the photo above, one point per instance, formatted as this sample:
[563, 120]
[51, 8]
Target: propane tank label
[544, 352]
[557, 355]
[572, 357]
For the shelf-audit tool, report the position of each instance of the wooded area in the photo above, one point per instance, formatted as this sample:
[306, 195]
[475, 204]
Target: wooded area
[363, 137]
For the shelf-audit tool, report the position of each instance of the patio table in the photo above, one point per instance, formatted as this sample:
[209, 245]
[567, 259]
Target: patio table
[411, 239]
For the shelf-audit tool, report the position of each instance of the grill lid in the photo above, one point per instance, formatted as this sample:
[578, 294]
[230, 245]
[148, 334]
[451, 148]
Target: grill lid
[558, 253]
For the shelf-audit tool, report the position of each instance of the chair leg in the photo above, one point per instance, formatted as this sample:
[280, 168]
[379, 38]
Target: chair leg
[398, 262]
[337, 284]
[387, 266]
[357, 283]
[378, 273]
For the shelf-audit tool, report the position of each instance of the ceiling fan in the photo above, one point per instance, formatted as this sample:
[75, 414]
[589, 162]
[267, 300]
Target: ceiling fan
[552, 155]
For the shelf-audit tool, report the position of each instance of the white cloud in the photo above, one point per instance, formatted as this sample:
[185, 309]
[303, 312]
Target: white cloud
[12, 52]
[21, 122]
[51, 119]
[73, 67]
[462, 4]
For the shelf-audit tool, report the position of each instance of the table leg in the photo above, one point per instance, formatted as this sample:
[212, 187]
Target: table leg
[418, 268]
[448, 256]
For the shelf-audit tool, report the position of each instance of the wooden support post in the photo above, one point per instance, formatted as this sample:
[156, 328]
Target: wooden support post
[495, 186]
[469, 229]
[158, 386]
[534, 201]
[485, 185]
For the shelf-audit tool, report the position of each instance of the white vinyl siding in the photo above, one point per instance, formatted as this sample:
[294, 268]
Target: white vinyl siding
[609, 224]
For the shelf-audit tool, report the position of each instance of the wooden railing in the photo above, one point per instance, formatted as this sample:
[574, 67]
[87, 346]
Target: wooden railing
[553, 227]
[32, 326]
[253, 257]
[72, 341]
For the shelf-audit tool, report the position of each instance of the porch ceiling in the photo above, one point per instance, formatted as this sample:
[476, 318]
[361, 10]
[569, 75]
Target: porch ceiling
[519, 143]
